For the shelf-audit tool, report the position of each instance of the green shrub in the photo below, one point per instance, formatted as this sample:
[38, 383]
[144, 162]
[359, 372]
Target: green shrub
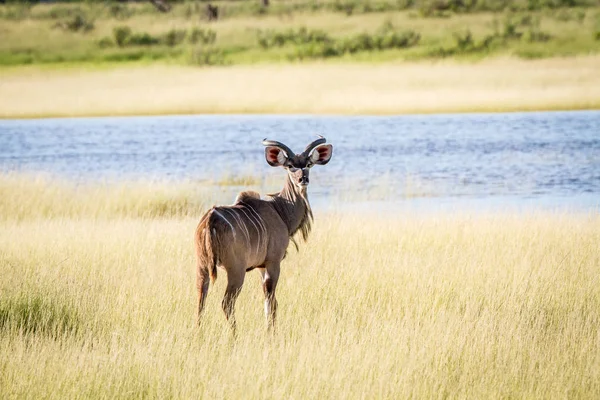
[199, 35]
[77, 23]
[125, 37]
[529, 54]
[350, 7]
[142, 39]
[174, 37]
[385, 38]
[124, 55]
[511, 29]
[346, 7]
[525, 20]
[259, 9]
[121, 35]
[445, 8]
[360, 42]
[492, 5]
[535, 34]
[311, 36]
[316, 50]
[464, 40]
[105, 42]
[80, 22]
[561, 3]
[317, 44]
[207, 56]
[487, 42]
[269, 39]
[119, 11]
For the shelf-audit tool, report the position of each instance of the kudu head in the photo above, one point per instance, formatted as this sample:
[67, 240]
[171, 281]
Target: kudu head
[298, 165]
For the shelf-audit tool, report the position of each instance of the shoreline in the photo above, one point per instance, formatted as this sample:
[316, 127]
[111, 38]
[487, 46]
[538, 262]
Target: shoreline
[322, 114]
[496, 85]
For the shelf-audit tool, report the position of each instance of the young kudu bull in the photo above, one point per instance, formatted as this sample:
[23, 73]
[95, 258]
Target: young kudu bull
[254, 232]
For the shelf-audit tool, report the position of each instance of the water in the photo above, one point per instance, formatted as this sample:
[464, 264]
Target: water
[545, 159]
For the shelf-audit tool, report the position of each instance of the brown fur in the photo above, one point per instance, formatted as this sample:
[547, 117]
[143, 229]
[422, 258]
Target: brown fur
[253, 233]
[247, 194]
[207, 245]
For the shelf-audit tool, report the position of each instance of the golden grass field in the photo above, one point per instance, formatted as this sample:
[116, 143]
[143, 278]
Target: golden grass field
[97, 300]
[318, 88]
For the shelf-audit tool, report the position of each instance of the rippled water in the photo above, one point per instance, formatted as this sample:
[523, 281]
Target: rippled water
[546, 159]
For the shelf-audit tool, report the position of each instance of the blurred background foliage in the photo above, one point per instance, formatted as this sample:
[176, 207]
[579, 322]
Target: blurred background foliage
[254, 31]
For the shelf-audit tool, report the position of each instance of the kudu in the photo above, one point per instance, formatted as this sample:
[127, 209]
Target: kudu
[254, 232]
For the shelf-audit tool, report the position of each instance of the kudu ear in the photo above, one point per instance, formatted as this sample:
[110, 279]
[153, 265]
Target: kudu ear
[321, 154]
[275, 156]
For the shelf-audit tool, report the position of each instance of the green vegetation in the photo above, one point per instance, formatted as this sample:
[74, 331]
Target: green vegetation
[37, 315]
[318, 44]
[100, 303]
[246, 32]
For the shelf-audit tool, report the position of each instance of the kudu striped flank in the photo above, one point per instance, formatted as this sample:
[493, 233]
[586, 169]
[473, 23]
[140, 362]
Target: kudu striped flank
[254, 233]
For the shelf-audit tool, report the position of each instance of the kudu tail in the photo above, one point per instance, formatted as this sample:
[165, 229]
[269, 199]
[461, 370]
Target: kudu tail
[207, 246]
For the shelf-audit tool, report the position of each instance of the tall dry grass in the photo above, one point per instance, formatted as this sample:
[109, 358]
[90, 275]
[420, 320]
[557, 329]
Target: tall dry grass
[424, 87]
[41, 197]
[430, 306]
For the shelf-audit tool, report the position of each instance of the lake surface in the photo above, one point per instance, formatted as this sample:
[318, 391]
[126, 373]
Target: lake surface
[531, 160]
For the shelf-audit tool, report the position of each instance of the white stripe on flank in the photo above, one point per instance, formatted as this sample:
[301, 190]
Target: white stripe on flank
[240, 223]
[255, 227]
[225, 219]
[259, 219]
[265, 237]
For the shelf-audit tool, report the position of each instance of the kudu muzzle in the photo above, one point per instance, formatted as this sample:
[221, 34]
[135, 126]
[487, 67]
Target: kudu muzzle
[300, 177]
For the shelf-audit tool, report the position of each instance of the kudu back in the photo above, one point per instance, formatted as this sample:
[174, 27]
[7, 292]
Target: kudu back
[254, 233]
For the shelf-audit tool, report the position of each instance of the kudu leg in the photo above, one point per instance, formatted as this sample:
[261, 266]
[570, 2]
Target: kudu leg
[234, 286]
[202, 281]
[270, 277]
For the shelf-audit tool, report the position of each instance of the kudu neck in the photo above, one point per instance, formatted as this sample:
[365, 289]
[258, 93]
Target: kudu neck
[291, 191]
[293, 207]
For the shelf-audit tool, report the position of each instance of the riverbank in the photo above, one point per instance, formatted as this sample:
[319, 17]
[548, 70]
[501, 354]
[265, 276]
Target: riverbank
[502, 84]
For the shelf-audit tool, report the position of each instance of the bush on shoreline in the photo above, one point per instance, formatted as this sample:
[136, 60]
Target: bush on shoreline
[77, 22]
[125, 37]
[515, 28]
[318, 44]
